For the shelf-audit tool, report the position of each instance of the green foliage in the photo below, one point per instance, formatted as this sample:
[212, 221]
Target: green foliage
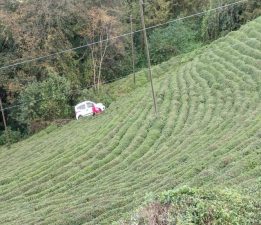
[199, 206]
[7, 51]
[10, 136]
[11, 5]
[221, 22]
[175, 39]
[218, 24]
[6, 40]
[93, 95]
[157, 11]
[46, 100]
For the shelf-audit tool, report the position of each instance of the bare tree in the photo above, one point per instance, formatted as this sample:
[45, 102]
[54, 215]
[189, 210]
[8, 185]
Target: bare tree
[101, 26]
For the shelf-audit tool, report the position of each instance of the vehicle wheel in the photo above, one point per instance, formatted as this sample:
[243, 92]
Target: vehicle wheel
[80, 117]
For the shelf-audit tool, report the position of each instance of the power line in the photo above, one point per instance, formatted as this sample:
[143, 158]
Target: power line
[85, 88]
[109, 81]
[196, 14]
[119, 36]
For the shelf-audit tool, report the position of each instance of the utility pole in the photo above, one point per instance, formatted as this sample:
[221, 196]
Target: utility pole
[6, 131]
[132, 50]
[148, 56]
[3, 114]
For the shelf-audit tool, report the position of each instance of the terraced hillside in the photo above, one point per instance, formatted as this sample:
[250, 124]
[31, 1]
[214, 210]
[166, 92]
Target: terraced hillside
[94, 171]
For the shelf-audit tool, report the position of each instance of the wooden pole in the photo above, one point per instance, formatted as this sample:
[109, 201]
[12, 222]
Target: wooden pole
[3, 114]
[132, 50]
[6, 131]
[148, 56]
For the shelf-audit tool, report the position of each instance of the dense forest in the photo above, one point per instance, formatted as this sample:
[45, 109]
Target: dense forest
[46, 89]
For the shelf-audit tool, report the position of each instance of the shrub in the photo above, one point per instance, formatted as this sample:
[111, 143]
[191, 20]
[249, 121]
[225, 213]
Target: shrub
[175, 39]
[47, 100]
[10, 137]
[215, 25]
[93, 95]
[194, 206]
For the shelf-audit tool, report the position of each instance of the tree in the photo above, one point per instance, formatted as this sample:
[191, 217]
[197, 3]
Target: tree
[47, 100]
[221, 22]
[100, 28]
[176, 38]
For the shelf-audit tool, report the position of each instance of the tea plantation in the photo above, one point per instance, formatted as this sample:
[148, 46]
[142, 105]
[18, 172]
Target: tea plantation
[97, 170]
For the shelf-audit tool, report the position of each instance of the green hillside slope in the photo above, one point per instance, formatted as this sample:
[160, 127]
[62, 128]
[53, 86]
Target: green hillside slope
[93, 171]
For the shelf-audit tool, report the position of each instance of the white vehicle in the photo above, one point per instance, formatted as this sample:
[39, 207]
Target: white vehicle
[88, 108]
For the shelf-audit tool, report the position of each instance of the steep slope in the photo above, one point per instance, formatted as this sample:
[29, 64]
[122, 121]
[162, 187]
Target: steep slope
[94, 171]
